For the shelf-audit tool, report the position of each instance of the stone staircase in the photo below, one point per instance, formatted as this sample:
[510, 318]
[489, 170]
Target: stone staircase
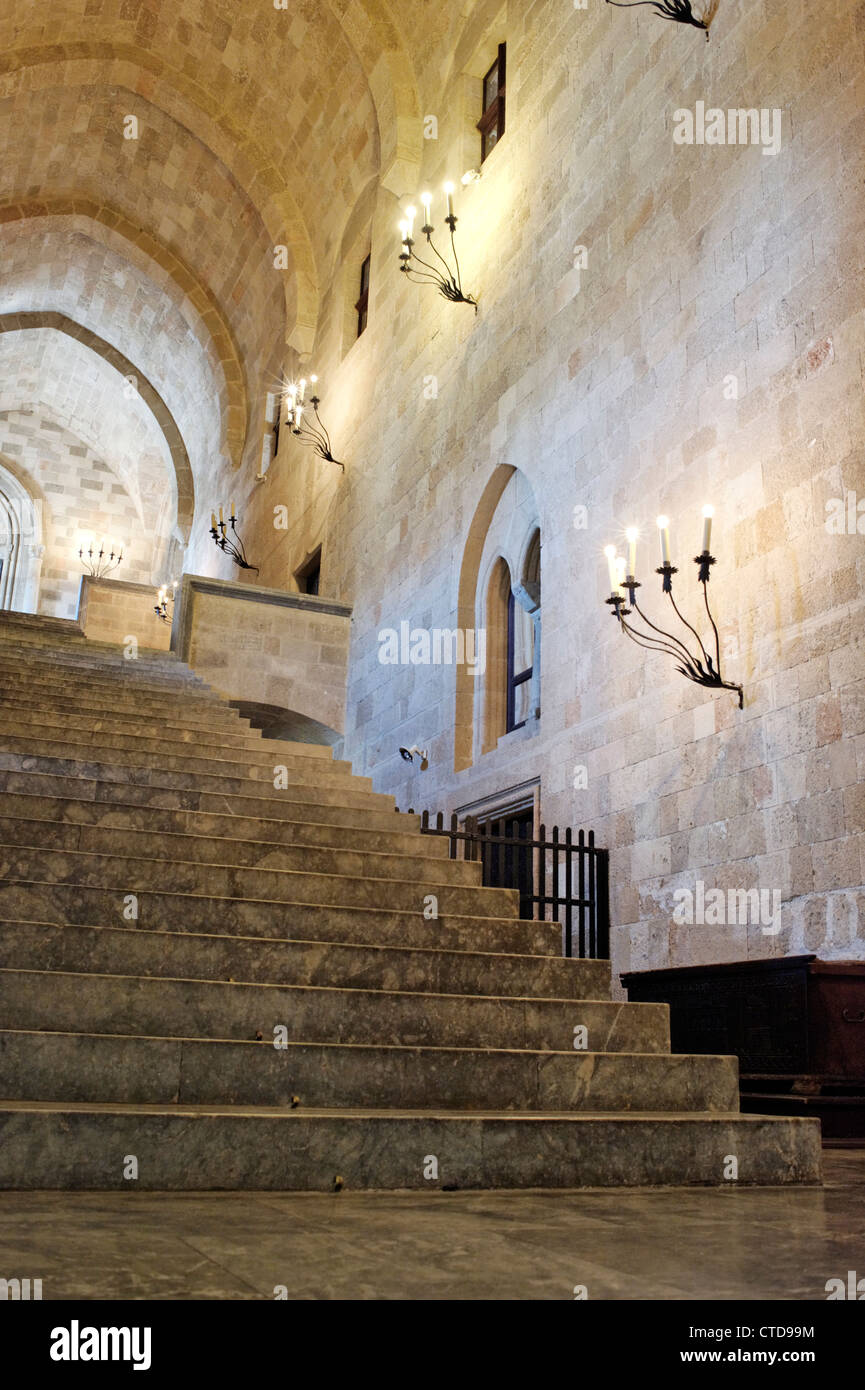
[168, 914]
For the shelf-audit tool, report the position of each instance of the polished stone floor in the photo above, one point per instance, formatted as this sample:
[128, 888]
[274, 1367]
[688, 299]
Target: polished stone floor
[658, 1245]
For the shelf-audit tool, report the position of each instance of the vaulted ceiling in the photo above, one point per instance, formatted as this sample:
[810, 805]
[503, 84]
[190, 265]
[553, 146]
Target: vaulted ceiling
[154, 154]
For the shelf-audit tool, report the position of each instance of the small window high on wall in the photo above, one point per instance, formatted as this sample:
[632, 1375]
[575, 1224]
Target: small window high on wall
[362, 305]
[309, 575]
[492, 122]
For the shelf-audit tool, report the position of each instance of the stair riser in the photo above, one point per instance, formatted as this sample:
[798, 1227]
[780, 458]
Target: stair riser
[208, 1009]
[83, 1151]
[311, 827]
[128, 875]
[124, 686]
[376, 812]
[258, 765]
[18, 721]
[216, 719]
[103, 950]
[250, 854]
[162, 1070]
[163, 674]
[46, 902]
[132, 774]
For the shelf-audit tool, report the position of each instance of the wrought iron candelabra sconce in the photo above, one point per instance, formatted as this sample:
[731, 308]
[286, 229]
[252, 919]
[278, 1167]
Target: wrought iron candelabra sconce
[163, 599]
[679, 11]
[697, 665]
[447, 281]
[311, 432]
[97, 563]
[228, 540]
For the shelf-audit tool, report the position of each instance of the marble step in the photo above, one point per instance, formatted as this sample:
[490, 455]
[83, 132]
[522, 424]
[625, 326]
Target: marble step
[124, 874]
[155, 750]
[125, 682]
[141, 791]
[125, 770]
[116, 699]
[47, 811]
[216, 1147]
[343, 858]
[61, 1066]
[25, 717]
[42, 662]
[180, 713]
[262, 960]
[87, 802]
[384, 925]
[40, 625]
[161, 1006]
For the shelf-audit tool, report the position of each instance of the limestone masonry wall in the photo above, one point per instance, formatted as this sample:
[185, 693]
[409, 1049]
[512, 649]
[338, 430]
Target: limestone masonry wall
[708, 344]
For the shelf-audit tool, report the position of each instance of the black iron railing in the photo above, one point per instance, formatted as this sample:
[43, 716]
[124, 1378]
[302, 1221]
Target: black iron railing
[560, 879]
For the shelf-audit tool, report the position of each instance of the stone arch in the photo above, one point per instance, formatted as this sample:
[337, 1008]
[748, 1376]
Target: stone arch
[188, 102]
[14, 323]
[466, 608]
[502, 541]
[21, 539]
[116, 225]
[392, 81]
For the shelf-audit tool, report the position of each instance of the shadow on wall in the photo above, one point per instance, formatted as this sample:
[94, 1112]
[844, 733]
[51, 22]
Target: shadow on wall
[274, 722]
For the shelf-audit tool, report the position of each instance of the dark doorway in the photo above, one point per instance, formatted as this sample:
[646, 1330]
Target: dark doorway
[512, 864]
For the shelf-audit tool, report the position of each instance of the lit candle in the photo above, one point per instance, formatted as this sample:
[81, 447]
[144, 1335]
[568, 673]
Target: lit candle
[403, 232]
[620, 575]
[411, 214]
[708, 513]
[302, 391]
[610, 552]
[449, 192]
[664, 528]
[426, 199]
[631, 534]
[298, 411]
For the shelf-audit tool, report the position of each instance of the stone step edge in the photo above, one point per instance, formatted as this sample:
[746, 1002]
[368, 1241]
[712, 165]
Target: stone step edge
[426, 995]
[449, 918]
[146, 726]
[168, 835]
[342, 782]
[651, 1057]
[391, 883]
[437, 1112]
[335, 826]
[107, 755]
[277, 799]
[483, 956]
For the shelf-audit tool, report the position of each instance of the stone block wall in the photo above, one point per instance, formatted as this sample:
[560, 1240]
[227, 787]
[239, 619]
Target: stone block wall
[265, 648]
[113, 611]
[660, 325]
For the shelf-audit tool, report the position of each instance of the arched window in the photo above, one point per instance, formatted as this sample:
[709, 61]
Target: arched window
[501, 579]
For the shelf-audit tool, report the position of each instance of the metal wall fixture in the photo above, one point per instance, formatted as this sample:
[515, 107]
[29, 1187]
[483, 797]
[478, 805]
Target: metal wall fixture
[97, 563]
[701, 668]
[163, 599]
[307, 431]
[231, 544]
[680, 11]
[446, 281]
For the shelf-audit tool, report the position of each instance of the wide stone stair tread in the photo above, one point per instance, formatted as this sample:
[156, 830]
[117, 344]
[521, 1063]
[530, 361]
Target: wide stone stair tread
[296, 913]
[206, 1147]
[115, 950]
[18, 806]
